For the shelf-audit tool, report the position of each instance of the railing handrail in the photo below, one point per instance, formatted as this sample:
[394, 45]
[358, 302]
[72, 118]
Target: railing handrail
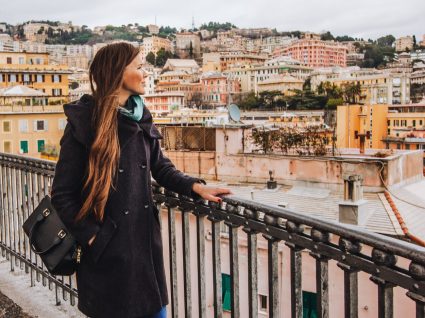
[386, 243]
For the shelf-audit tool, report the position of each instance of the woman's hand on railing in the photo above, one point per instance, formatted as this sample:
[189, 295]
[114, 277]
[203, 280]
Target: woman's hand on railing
[210, 193]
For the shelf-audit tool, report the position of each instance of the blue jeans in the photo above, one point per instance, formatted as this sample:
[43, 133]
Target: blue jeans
[161, 314]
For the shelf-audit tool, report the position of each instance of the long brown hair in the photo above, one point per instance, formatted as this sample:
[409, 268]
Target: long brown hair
[106, 75]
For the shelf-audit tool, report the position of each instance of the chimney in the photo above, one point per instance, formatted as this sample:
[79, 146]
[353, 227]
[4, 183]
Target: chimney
[352, 210]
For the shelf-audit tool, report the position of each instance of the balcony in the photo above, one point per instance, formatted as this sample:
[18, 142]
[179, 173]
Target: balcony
[267, 251]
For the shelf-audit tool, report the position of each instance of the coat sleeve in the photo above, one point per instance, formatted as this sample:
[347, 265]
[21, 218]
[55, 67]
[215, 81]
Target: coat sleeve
[166, 174]
[66, 195]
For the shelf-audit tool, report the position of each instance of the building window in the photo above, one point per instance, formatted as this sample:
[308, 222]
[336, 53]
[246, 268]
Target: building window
[8, 60]
[226, 292]
[21, 60]
[414, 123]
[23, 146]
[1, 78]
[23, 125]
[61, 123]
[398, 146]
[40, 125]
[40, 145]
[57, 91]
[407, 146]
[7, 146]
[262, 299]
[40, 78]
[309, 305]
[56, 78]
[13, 78]
[7, 126]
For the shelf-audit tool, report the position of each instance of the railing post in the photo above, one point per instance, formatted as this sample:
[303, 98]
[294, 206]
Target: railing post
[350, 279]
[417, 271]
[322, 284]
[385, 289]
[273, 267]
[216, 253]
[252, 267]
[296, 270]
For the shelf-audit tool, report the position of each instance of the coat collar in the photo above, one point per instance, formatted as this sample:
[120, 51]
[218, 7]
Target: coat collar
[79, 117]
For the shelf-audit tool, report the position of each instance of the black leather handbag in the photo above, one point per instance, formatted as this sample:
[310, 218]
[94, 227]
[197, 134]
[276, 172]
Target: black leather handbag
[49, 238]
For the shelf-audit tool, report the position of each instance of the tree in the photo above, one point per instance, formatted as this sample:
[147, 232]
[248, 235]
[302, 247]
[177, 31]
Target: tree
[268, 98]
[327, 36]
[150, 58]
[414, 42]
[249, 101]
[387, 40]
[191, 50]
[162, 56]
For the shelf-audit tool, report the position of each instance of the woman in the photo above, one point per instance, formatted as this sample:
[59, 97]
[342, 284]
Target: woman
[102, 190]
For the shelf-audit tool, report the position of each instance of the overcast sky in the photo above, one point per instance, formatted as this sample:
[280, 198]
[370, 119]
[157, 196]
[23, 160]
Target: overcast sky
[360, 18]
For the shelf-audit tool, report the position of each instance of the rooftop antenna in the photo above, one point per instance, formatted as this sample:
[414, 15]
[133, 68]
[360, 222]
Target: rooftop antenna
[193, 23]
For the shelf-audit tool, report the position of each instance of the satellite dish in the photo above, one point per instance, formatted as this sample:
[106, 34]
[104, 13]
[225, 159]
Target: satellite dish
[234, 113]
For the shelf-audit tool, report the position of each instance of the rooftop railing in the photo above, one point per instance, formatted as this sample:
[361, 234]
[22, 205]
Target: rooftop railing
[23, 182]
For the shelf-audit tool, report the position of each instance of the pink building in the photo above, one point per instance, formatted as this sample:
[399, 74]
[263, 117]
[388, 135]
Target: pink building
[164, 102]
[314, 52]
[216, 88]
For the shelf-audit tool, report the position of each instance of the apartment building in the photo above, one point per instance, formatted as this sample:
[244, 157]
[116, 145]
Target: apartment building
[31, 131]
[33, 70]
[313, 52]
[377, 86]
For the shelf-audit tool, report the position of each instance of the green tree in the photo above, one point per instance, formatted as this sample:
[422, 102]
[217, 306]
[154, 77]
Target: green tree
[249, 101]
[387, 40]
[191, 50]
[327, 36]
[150, 58]
[162, 56]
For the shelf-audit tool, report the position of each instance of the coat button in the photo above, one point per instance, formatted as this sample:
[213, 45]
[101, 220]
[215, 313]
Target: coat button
[126, 212]
[146, 206]
[120, 170]
[142, 165]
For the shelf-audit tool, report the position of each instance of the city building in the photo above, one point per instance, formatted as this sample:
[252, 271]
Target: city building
[164, 102]
[187, 65]
[32, 131]
[218, 89]
[284, 83]
[404, 43]
[222, 61]
[192, 90]
[313, 52]
[153, 29]
[361, 126]
[250, 75]
[155, 43]
[188, 45]
[33, 70]
[377, 86]
[406, 127]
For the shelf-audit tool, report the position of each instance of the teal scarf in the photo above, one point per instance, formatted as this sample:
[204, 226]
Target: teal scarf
[133, 108]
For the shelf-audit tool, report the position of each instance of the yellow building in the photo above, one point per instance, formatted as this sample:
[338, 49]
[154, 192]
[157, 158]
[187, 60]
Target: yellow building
[377, 86]
[355, 121]
[155, 43]
[222, 61]
[31, 131]
[406, 127]
[284, 83]
[33, 70]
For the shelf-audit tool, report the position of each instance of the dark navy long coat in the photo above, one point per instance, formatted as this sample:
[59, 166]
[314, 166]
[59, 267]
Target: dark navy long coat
[122, 273]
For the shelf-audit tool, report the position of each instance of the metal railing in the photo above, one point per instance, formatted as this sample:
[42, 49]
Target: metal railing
[23, 182]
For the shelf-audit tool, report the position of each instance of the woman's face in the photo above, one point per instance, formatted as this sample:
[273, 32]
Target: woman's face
[134, 77]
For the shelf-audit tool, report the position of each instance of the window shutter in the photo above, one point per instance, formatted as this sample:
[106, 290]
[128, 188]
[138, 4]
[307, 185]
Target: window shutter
[35, 125]
[46, 126]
